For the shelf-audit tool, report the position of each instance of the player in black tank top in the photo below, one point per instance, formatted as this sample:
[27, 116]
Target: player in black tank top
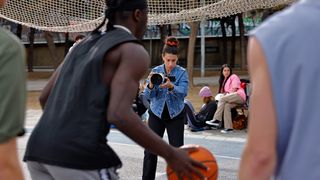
[95, 87]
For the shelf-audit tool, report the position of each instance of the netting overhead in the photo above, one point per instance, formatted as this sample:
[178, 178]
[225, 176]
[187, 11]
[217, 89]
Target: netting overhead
[55, 15]
[85, 15]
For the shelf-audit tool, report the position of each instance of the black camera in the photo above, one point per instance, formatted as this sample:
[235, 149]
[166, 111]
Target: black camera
[159, 78]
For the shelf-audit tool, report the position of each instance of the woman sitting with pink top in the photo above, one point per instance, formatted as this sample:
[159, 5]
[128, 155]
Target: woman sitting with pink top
[233, 95]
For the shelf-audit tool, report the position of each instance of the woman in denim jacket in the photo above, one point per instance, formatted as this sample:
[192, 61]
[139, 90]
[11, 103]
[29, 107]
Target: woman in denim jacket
[166, 102]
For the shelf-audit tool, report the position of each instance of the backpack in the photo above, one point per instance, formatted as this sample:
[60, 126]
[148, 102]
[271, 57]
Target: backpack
[239, 122]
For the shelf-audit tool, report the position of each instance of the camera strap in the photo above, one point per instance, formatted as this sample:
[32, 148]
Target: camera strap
[165, 71]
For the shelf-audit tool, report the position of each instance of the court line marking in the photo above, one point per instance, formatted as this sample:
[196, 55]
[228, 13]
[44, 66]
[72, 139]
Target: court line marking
[207, 136]
[195, 136]
[137, 146]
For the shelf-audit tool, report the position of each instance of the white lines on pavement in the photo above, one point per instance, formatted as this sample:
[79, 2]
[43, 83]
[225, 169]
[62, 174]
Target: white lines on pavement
[221, 138]
[227, 157]
[137, 146]
[207, 136]
[124, 144]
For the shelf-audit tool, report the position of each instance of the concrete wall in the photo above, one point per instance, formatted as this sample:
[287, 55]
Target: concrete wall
[213, 56]
[42, 56]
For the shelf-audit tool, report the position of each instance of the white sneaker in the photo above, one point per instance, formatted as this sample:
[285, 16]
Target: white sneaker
[225, 131]
[214, 122]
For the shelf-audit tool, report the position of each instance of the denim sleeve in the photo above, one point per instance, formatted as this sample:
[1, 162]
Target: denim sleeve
[181, 88]
[149, 93]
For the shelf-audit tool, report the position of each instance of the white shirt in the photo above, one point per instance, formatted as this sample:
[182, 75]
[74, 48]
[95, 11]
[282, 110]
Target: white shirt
[122, 27]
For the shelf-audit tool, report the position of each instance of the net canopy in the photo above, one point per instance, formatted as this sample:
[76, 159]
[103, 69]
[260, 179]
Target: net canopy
[85, 15]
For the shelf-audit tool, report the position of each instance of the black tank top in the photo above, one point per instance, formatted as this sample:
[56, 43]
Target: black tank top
[73, 128]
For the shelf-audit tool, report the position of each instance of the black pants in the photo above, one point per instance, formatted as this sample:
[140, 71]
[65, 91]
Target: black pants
[191, 119]
[175, 130]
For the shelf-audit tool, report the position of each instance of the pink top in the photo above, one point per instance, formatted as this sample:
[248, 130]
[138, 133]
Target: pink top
[234, 82]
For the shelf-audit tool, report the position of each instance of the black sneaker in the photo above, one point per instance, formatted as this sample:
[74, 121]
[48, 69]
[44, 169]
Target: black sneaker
[196, 129]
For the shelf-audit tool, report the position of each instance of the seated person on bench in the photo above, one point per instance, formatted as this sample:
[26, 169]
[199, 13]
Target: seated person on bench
[233, 95]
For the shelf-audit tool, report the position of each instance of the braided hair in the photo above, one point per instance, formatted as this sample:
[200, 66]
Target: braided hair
[171, 46]
[109, 14]
[114, 6]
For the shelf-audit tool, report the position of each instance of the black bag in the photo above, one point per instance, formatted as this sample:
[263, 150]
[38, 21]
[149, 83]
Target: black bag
[140, 104]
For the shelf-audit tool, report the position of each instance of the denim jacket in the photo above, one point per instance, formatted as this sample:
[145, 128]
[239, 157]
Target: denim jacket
[174, 99]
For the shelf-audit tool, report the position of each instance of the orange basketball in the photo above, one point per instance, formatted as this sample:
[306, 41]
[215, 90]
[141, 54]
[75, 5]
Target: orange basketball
[205, 157]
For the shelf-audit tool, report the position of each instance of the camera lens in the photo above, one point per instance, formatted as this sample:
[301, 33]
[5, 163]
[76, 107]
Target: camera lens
[156, 79]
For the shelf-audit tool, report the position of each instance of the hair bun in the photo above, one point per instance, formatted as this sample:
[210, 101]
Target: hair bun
[172, 41]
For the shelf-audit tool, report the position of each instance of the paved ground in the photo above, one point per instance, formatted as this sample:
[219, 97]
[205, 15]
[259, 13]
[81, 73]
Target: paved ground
[232, 143]
[227, 148]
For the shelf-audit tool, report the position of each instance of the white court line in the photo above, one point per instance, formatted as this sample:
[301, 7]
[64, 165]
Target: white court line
[227, 157]
[207, 136]
[123, 144]
[195, 136]
[137, 146]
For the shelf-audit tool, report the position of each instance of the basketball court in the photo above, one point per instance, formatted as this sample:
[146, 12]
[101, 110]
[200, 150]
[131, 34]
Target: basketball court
[227, 149]
[84, 16]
